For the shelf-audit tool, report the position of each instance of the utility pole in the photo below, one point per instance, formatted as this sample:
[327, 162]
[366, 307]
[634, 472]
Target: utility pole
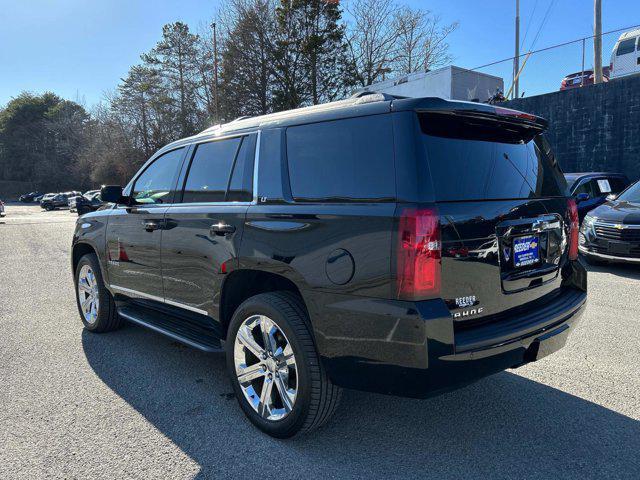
[215, 73]
[516, 59]
[597, 40]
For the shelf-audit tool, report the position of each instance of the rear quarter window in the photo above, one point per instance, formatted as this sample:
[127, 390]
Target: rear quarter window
[342, 160]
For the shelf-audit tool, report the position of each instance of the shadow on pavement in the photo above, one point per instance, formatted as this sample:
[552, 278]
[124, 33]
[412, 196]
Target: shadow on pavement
[504, 426]
[620, 269]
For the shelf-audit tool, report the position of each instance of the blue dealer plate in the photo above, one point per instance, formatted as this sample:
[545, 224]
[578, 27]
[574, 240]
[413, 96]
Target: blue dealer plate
[526, 250]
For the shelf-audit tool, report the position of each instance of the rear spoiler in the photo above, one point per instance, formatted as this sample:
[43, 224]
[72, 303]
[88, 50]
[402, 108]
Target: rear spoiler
[470, 109]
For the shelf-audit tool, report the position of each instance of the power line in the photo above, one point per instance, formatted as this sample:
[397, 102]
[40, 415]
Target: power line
[542, 24]
[552, 47]
[526, 31]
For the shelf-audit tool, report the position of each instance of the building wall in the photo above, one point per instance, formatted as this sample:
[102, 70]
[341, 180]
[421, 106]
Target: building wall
[592, 128]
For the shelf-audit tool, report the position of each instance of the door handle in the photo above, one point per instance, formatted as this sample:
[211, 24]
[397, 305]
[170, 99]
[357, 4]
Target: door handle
[221, 228]
[151, 225]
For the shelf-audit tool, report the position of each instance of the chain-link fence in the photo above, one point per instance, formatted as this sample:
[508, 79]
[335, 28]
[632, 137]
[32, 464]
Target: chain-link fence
[559, 67]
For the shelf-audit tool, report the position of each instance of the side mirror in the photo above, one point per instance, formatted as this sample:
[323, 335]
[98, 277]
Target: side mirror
[112, 194]
[611, 197]
[582, 197]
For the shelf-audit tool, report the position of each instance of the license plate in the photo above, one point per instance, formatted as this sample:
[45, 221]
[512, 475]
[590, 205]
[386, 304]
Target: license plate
[526, 250]
[618, 248]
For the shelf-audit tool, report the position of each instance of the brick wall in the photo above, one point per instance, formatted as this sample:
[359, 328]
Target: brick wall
[592, 128]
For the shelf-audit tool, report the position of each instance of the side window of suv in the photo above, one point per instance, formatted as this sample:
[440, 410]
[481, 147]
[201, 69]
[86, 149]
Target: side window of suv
[626, 46]
[210, 170]
[156, 183]
[587, 187]
[342, 160]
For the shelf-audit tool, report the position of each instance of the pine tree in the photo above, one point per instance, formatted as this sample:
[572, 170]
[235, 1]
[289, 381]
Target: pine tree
[175, 57]
[311, 63]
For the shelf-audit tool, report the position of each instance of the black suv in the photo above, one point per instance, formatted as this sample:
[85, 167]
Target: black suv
[401, 246]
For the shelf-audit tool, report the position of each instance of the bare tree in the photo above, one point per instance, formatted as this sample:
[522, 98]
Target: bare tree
[372, 39]
[421, 44]
[435, 47]
[389, 39]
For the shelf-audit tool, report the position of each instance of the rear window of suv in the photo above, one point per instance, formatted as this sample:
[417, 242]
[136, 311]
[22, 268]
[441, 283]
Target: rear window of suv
[476, 159]
[342, 160]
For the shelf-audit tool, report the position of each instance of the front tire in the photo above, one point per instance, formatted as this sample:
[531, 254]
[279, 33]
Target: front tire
[95, 304]
[274, 367]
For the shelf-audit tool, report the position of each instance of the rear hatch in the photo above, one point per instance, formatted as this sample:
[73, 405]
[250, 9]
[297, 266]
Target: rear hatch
[503, 210]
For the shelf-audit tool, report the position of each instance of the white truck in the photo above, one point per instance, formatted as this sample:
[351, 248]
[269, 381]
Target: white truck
[625, 58]
[451, 83]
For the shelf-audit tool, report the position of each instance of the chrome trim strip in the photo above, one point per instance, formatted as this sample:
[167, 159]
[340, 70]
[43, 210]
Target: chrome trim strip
[256, 163]
[186, 307]
[136, 293]
[608, 257]
[614, 225]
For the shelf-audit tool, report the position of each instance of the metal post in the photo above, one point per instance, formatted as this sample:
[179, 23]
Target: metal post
[516, 59]
[597, 41]
[583, 49]
[215, 73]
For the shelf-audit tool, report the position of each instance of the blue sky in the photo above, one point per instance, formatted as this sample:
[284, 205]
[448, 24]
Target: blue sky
[81, 48]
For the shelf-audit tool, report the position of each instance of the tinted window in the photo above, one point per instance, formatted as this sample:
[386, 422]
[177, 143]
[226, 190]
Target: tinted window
[475, 159]
[241, 186]
[590, 188]
[155, 185]
[209, 172]
[343, 160]
[617, 184]
[626, 46]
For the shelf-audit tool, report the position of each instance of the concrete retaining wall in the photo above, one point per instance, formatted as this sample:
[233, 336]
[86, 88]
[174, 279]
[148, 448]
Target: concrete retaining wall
[592, 128]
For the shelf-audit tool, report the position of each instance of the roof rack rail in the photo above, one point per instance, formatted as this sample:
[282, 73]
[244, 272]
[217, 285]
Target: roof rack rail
[381, 96]
[243, 117]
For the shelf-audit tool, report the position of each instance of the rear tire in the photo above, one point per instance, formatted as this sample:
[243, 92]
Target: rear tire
[95, 304]
[315, 398]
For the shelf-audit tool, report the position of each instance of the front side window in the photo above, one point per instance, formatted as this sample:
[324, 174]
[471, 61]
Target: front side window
[342, 160]
[209, 172]
[156, 183]
[626, 46]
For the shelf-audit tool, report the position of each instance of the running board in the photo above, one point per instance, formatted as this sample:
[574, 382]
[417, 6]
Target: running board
[183, 331]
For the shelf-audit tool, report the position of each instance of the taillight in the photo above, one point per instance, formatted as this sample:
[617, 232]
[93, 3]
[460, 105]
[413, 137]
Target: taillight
[507, 112]
[574, 225]
[419, 253]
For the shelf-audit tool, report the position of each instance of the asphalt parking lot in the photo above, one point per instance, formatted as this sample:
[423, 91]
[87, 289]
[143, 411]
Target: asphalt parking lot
[133, 404]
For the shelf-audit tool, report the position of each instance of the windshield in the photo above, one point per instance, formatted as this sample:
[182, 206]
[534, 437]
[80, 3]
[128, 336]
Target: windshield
[632, 194]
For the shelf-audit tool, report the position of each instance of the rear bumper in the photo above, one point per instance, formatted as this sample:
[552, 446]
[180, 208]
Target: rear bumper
[412, 349]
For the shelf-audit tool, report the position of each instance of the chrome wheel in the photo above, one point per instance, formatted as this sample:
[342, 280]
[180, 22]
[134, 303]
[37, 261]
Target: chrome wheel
[88, 294]
[265, 367]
